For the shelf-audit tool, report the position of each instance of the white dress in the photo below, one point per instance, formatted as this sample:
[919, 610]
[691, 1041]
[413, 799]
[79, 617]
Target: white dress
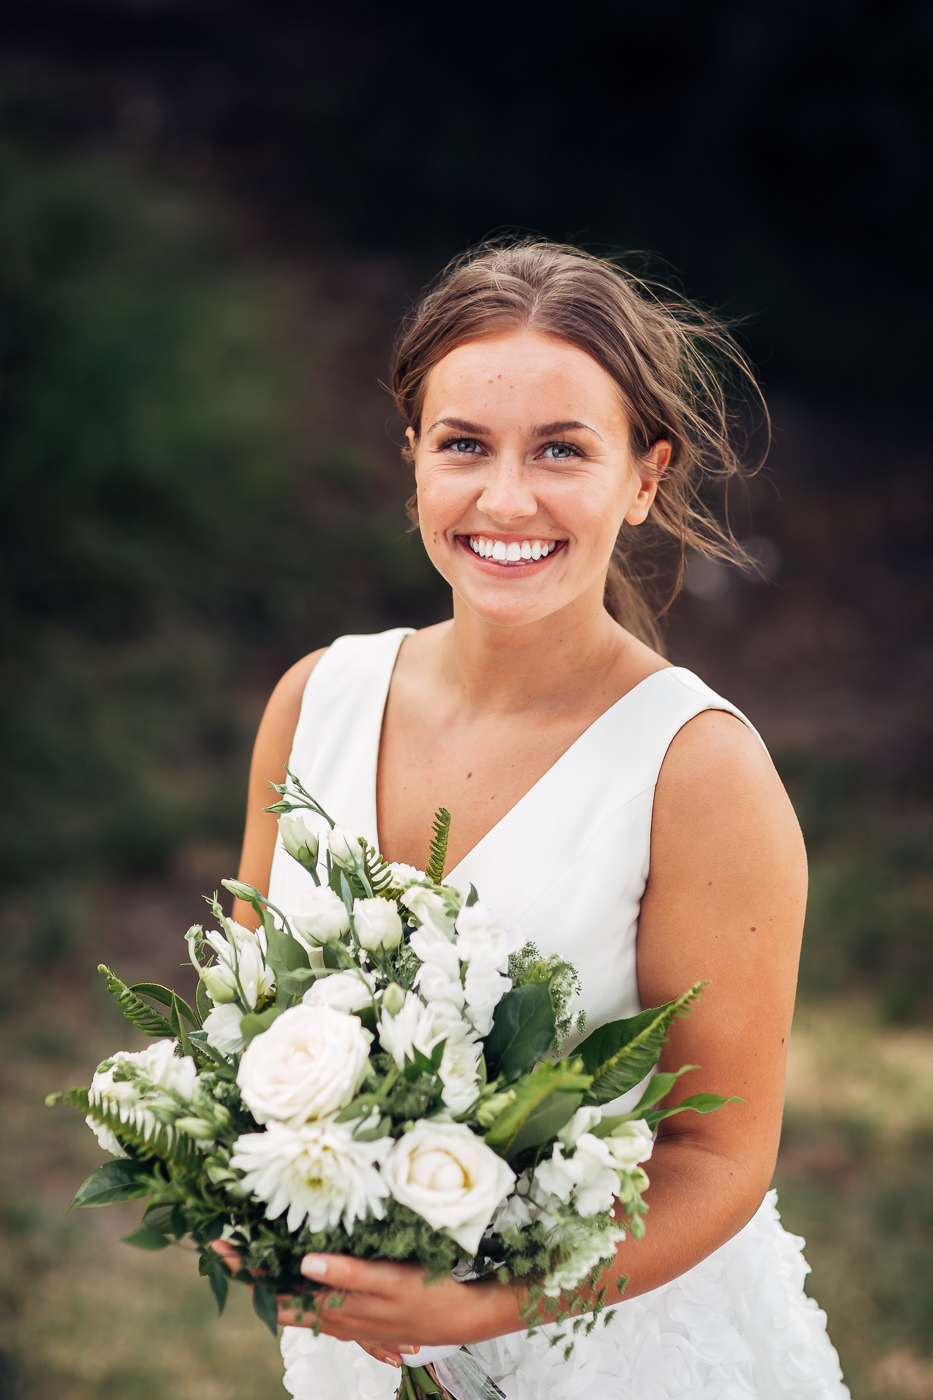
[569, 864]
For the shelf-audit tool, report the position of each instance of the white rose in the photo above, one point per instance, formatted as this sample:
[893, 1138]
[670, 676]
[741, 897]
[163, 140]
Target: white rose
[321, 917]
[309, 1063]
[222, 1028]
[346, 991]
[319, 1173]
[345, 848]
[299, 837]
[377, 924]
[449, 1177]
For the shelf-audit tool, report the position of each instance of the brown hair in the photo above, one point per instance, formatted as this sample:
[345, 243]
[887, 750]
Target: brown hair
[676, 367]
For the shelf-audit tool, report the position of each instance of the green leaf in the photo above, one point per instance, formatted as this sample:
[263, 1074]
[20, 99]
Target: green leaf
[218, 1281]
[178, 1028]
[266, 1306]
[699, 1103]
[620, 1054]
[167, 1217]
[203, 1002]
[133, 1008]
[144, 1238]
[543, 1102]
[109, 1184]
[163, 995]
[522, 1031]
[255, 1022]
[434, 869]
[283, 952]
[290, 986]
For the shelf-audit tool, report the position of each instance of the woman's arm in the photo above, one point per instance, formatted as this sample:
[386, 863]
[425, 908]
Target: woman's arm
[724, 904]
[270, 755]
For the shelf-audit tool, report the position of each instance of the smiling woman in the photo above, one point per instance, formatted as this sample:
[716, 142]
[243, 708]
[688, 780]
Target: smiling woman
[609, 803]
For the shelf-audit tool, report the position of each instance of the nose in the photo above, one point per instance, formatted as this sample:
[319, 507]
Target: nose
[507, 495]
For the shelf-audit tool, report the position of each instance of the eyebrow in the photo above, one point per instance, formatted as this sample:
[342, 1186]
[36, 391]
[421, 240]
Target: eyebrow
[462, 425]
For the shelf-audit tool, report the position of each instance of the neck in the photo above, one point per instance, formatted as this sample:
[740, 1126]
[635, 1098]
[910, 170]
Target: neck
[507, 669]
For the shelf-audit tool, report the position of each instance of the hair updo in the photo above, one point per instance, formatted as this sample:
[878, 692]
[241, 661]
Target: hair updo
[675, 367]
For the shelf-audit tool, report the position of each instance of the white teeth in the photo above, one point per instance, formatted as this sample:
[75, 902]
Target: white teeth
[514, 552]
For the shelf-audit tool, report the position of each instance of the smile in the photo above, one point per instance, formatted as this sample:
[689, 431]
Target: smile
[515, 552]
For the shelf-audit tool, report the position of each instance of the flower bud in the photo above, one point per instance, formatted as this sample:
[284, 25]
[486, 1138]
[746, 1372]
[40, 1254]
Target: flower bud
[345, 848]
[219, 983]
[393, 999]
[377, 924]
[300, 840]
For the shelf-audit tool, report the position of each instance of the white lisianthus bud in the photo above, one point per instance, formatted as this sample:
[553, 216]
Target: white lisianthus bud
[321, 917]
[393, 999]
[219, 983]
[196, 1128]
[299, 838]
[345, 848]
[346, 991]
[377, 924]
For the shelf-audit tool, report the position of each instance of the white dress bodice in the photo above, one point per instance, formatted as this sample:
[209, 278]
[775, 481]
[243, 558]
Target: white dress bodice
[569, 863]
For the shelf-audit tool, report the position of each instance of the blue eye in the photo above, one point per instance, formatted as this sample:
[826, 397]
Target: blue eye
[561, 451]
[466, 446]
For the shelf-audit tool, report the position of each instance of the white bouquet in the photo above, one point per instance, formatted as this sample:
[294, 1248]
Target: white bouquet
[378, 1073]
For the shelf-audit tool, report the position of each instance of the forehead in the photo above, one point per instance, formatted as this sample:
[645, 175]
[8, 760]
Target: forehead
[522, 370]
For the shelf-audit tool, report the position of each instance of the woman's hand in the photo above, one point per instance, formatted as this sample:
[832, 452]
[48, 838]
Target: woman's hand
[389, 1308]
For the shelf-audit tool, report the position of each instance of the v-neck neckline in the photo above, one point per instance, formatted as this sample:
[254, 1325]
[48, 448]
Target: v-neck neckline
[477, 849]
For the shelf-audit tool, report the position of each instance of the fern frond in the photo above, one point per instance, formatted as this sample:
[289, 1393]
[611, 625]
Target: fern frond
[376, 869]
[133, 1007]
[438, 857]
[153, 1139]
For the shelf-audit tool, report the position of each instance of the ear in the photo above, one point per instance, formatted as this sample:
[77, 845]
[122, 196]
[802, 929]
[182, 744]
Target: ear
[412, 440]
[647, 470]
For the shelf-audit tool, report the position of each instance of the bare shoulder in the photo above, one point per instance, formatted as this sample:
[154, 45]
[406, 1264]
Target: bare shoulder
[727, 862]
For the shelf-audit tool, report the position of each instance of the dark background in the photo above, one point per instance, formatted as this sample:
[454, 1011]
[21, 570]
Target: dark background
[212, 216]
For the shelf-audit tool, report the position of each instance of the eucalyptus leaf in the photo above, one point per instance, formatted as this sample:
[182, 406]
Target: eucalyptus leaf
[113, 1182]
[522, 1031]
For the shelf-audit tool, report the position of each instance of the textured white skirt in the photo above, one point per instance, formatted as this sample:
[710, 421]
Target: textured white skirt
[736, 1326]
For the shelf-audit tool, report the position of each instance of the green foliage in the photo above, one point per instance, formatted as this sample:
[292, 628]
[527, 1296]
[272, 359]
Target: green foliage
[110, 1184]
[438, 855]
[620, 1053]
[522, 1031]
[540, 1104]
[133, 1007]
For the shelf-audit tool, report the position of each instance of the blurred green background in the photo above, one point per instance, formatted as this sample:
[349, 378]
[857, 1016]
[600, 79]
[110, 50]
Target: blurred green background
[211, 217]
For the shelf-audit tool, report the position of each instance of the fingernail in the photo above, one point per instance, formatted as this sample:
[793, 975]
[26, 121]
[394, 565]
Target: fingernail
[314, 1266]
[409, 1351]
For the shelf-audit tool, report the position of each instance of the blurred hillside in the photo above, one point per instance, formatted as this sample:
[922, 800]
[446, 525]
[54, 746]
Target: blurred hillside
[210, 218]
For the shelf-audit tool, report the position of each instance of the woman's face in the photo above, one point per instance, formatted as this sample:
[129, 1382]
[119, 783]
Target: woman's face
[525, 475]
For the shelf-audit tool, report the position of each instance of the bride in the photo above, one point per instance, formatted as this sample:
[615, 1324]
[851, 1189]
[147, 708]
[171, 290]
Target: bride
[608, 802]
